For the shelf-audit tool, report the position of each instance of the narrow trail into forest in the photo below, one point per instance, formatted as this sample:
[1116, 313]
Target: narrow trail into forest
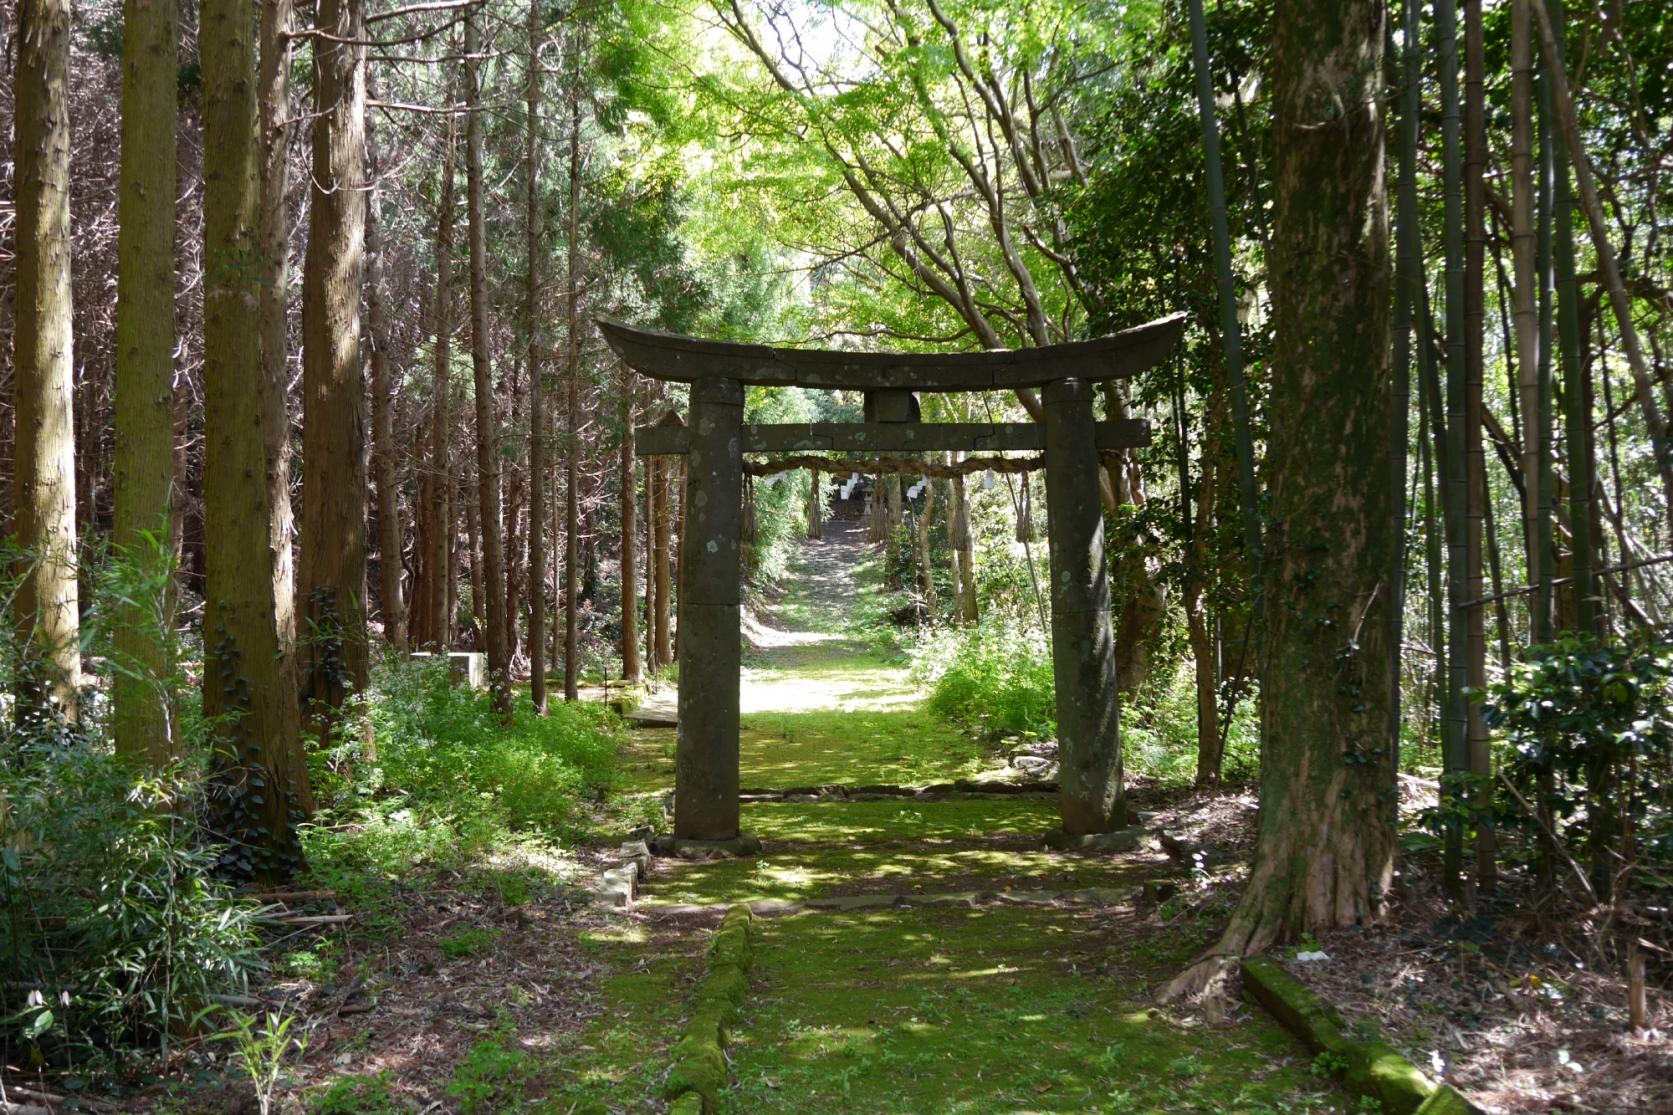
[1021, 985]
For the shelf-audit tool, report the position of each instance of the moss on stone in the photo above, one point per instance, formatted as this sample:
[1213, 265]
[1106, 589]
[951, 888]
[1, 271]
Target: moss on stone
[699, 1058]
[1447, 1100]
[1369, 1067]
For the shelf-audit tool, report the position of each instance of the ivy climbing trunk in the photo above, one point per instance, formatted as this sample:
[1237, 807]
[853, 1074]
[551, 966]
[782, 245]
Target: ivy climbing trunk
[143, 512]
[258, 786]
[1325, 852]
[331, 580]
[46, 604]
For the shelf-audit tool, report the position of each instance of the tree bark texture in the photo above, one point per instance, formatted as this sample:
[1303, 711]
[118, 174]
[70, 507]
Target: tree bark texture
[436, 516]
[572, 408]
[384, 479]
[492, 601]
[259, 781]
[537, 382]
[143, 517]
[1326, 831]
[631, 668]
[273, 246]
[46, 606]
[331, 582]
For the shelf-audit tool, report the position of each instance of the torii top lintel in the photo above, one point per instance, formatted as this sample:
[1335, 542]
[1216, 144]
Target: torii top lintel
[670, 356]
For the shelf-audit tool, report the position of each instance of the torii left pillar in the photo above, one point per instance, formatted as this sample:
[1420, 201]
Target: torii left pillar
[706, 767]
[1082, 638]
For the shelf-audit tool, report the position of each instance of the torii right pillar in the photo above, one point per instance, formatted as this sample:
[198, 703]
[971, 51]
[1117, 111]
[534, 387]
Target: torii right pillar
[1082, 637]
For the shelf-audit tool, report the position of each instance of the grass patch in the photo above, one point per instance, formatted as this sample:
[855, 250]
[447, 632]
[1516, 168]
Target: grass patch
[904, 846]
[943, 1011]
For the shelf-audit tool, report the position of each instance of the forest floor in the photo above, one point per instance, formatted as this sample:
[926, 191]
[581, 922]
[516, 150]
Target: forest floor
[988, 1005]
[497, 985]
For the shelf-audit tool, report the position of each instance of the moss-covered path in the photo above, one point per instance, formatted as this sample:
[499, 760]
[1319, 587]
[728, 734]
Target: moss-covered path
[985, 1006]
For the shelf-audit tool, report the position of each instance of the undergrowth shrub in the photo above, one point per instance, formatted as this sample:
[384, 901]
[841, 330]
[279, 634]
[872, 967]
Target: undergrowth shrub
[994, 677]
[1159, 734]
[115, 934]
[452, 781]
[1589, 761]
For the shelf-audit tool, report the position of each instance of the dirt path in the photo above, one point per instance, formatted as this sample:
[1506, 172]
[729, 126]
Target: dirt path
[983, 1005]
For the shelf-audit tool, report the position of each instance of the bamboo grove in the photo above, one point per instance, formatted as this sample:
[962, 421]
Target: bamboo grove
[301, 306]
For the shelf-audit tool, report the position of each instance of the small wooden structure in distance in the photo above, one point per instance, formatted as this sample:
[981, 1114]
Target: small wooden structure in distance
[715, 439]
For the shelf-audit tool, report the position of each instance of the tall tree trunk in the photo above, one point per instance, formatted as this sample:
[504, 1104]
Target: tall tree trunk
[1573, 152]
[440, 574]
[46, 604]
[572, 409]
[1325, 852]
[331, 580]
[1410, 291]
[816, 506]
[383, 430]
[473, 542]
[631, 669]
[650, 566]
[143, 515]
[926, 570]
[537, 373]
[1454, 472]
[1576, 373]
[1210, 735]
[513, 525]
[964, 550]
[1478, 757]
[258, 783]
[492, 601]
[1226, 284]
[661, 547]
[1534, 432]
[273, 318]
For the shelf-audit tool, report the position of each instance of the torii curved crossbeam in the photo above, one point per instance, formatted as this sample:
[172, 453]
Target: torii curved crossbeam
[670, 356]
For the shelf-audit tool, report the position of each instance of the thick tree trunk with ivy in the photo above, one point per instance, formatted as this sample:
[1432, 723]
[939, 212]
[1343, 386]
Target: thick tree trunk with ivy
[143, 512]
[490, 603]
[1326, 834]
[46, 603]
[331, 582]
[258, 785]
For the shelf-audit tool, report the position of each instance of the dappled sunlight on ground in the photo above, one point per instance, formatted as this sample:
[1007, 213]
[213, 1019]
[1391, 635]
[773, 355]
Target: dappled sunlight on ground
[988, 1011]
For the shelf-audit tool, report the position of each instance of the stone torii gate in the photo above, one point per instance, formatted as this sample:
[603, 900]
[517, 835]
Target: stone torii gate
[715, 439]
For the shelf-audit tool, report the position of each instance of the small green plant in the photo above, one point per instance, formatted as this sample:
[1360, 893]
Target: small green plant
[492, 1075]
[260, 1050]
[468, 942]
[1186, 1067]
[355, 1095]
[1328, 1064]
